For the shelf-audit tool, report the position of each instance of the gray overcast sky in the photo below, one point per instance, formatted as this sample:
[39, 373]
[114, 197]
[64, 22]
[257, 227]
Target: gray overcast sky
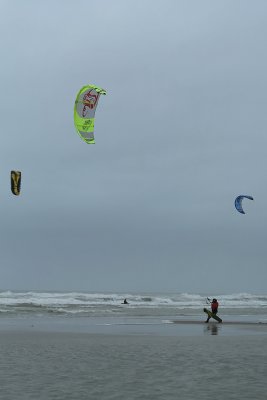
[181, 132]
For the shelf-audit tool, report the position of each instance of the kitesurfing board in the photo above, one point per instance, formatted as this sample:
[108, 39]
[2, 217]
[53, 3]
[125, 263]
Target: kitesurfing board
[211, 315]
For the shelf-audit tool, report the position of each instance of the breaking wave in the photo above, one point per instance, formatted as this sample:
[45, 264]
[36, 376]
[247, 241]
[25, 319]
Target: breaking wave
[101, 304]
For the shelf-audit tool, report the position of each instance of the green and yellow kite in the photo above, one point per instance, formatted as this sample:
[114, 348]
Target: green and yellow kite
[84, 111]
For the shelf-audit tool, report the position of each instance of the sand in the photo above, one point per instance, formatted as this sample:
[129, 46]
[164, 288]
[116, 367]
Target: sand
[61, 359]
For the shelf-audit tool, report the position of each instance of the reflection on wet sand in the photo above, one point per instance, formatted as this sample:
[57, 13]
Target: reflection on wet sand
[212, 328]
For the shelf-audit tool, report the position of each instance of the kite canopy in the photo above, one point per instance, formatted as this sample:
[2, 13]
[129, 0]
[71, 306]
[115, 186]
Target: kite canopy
[84, 111]
[238, 202]
[15, 177]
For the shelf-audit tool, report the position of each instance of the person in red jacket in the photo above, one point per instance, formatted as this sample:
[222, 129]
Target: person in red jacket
[214, 308]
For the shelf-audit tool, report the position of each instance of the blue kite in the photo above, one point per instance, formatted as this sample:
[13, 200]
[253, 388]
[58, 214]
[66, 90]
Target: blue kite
[238, 202]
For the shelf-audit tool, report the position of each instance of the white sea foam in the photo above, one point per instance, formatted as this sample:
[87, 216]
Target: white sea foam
[72, 303]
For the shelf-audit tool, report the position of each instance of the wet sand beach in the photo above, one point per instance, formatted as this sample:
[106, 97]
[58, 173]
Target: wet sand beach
[70, 361]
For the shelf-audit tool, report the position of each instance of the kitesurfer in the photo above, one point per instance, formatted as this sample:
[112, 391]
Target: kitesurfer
[125, 301]
[214, 308]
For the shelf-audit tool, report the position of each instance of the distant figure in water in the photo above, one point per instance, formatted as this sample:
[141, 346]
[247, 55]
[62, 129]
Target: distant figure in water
[214, 308]
[125, 301]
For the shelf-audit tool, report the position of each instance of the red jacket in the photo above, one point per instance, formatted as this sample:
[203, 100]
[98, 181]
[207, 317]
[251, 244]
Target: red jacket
[214, 306]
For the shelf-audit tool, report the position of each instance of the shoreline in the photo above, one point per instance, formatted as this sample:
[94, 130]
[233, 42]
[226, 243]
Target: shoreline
[130, 326]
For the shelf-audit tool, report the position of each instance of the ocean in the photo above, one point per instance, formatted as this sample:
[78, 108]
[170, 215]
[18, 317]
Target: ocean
[81, 304]
[77, 346]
